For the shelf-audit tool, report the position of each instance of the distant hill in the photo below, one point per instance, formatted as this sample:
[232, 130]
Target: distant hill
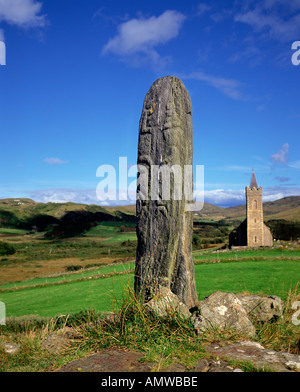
[30, 215]
[26, 213]
[287, 208]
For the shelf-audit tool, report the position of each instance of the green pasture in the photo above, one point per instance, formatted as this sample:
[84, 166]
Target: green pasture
[265, 277]
[265, 272]
[263, 253]
[8, 231]
[99, 294]
[110, 233]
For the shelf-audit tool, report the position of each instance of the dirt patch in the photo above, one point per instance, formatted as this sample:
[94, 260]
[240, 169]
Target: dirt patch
[16, 272]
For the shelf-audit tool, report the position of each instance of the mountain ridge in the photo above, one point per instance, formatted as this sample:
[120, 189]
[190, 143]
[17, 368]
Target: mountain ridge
[287, 208]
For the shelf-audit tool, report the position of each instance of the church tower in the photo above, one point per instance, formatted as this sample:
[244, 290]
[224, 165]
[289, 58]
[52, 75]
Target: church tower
[254, 210]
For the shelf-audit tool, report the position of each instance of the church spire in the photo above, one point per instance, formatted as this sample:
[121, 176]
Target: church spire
[253, 183]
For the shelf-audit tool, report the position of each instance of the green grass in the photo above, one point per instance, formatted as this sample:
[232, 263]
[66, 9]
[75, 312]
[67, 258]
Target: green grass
[98, 294]
[266, 277]
[111, 233]
[102, 231]
[8, 231]
[79, 248]
[202, 256]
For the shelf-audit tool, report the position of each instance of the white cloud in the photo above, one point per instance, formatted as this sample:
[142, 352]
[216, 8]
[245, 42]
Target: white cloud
[225, 198]
[281, 155]
[81, 196]
[229, 87]
[142, 35]
[55, 161]
[221, 197]
[23, 13]
[231, 198]
[278, 192]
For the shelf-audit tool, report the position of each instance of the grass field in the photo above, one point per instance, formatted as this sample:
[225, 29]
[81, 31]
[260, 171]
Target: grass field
[36, 256]
[74, 279]
[265, 272]
[36, 279]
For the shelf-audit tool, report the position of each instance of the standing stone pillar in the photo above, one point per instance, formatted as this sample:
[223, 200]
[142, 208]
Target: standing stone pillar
[164, 224]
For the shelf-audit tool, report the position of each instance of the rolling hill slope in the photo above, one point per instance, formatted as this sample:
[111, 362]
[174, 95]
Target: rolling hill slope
[25, 213]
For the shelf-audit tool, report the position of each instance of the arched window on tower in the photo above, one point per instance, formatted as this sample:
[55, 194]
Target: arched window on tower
[254, 204]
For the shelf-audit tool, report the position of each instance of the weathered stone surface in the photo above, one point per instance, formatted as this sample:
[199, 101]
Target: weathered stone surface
[262, 309]
[58, 341]
[11, 348]
[110, 360]
[164, 227]
[116, 360]
[222, 310]
[165, 302]
[256, 354]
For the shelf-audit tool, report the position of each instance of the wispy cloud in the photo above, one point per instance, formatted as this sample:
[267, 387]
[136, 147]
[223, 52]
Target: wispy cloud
[23, 13]
[282, 155]
[143, 35]
[249, 53]
[272, 19]
[282, 179]
[234, 168]
[203, 8]
[295, 164]
[230, 87]
[55, 161]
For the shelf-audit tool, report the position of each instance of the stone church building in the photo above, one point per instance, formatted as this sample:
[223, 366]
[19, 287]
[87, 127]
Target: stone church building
[252, 231]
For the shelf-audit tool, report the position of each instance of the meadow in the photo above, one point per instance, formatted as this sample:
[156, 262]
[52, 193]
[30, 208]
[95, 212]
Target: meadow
[100, 288]
[49, 284]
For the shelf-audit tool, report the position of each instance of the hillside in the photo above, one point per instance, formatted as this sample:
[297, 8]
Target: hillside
[26, 213]
[287, 208]
[24, 208]
[60, 217]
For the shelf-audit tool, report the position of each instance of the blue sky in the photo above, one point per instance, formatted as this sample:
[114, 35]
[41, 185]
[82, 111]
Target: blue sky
[77, 72]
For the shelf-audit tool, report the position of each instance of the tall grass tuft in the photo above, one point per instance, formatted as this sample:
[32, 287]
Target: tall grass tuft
[163, 340]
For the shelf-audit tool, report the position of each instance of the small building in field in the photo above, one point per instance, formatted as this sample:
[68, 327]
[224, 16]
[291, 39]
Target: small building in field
[252, 232]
